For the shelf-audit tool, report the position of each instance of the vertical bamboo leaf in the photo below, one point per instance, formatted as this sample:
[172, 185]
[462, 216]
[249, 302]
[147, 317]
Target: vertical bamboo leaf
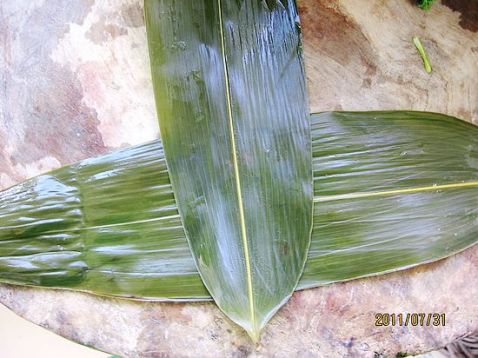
[230, 93]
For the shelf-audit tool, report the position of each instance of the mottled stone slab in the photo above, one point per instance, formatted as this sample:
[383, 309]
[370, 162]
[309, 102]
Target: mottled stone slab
[359, 55]
[75, 82]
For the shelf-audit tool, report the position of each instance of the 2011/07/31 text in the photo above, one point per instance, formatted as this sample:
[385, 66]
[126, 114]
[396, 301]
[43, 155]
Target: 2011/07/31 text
[410, 319]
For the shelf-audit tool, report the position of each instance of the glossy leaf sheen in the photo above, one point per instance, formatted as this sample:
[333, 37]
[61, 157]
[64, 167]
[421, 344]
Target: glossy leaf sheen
[107, 225]
[230, 93]
[392, 190]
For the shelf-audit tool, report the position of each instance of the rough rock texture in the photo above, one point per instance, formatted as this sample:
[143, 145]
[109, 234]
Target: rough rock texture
[75, 82]
[359, 55]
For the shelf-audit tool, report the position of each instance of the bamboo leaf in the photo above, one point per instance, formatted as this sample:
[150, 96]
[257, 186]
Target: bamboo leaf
[392, 190]
[107, 225]
[230, 93]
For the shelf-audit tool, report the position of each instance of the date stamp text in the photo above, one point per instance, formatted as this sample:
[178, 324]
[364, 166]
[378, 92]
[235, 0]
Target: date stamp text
[410, 319]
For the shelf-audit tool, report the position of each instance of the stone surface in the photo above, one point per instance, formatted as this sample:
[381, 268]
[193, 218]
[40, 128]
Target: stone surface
[359, 55]
[75, 82]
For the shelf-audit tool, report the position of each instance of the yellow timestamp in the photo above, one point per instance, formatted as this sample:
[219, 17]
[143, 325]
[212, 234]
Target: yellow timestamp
[410, 319]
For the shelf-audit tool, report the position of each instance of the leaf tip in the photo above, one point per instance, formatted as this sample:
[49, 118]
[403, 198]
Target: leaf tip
[254, 334]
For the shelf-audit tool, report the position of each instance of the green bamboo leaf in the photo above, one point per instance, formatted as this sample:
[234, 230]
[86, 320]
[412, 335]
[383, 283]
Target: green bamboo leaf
[392, 190]
[107, 225]
[231, 99]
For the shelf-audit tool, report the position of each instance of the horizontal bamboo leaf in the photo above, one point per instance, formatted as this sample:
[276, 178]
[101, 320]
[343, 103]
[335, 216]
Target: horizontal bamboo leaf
[107, 225]
[392, 190]
[231, 98]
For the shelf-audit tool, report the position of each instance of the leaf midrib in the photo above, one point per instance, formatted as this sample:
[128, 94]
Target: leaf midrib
[369, 194]
[242, 219]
